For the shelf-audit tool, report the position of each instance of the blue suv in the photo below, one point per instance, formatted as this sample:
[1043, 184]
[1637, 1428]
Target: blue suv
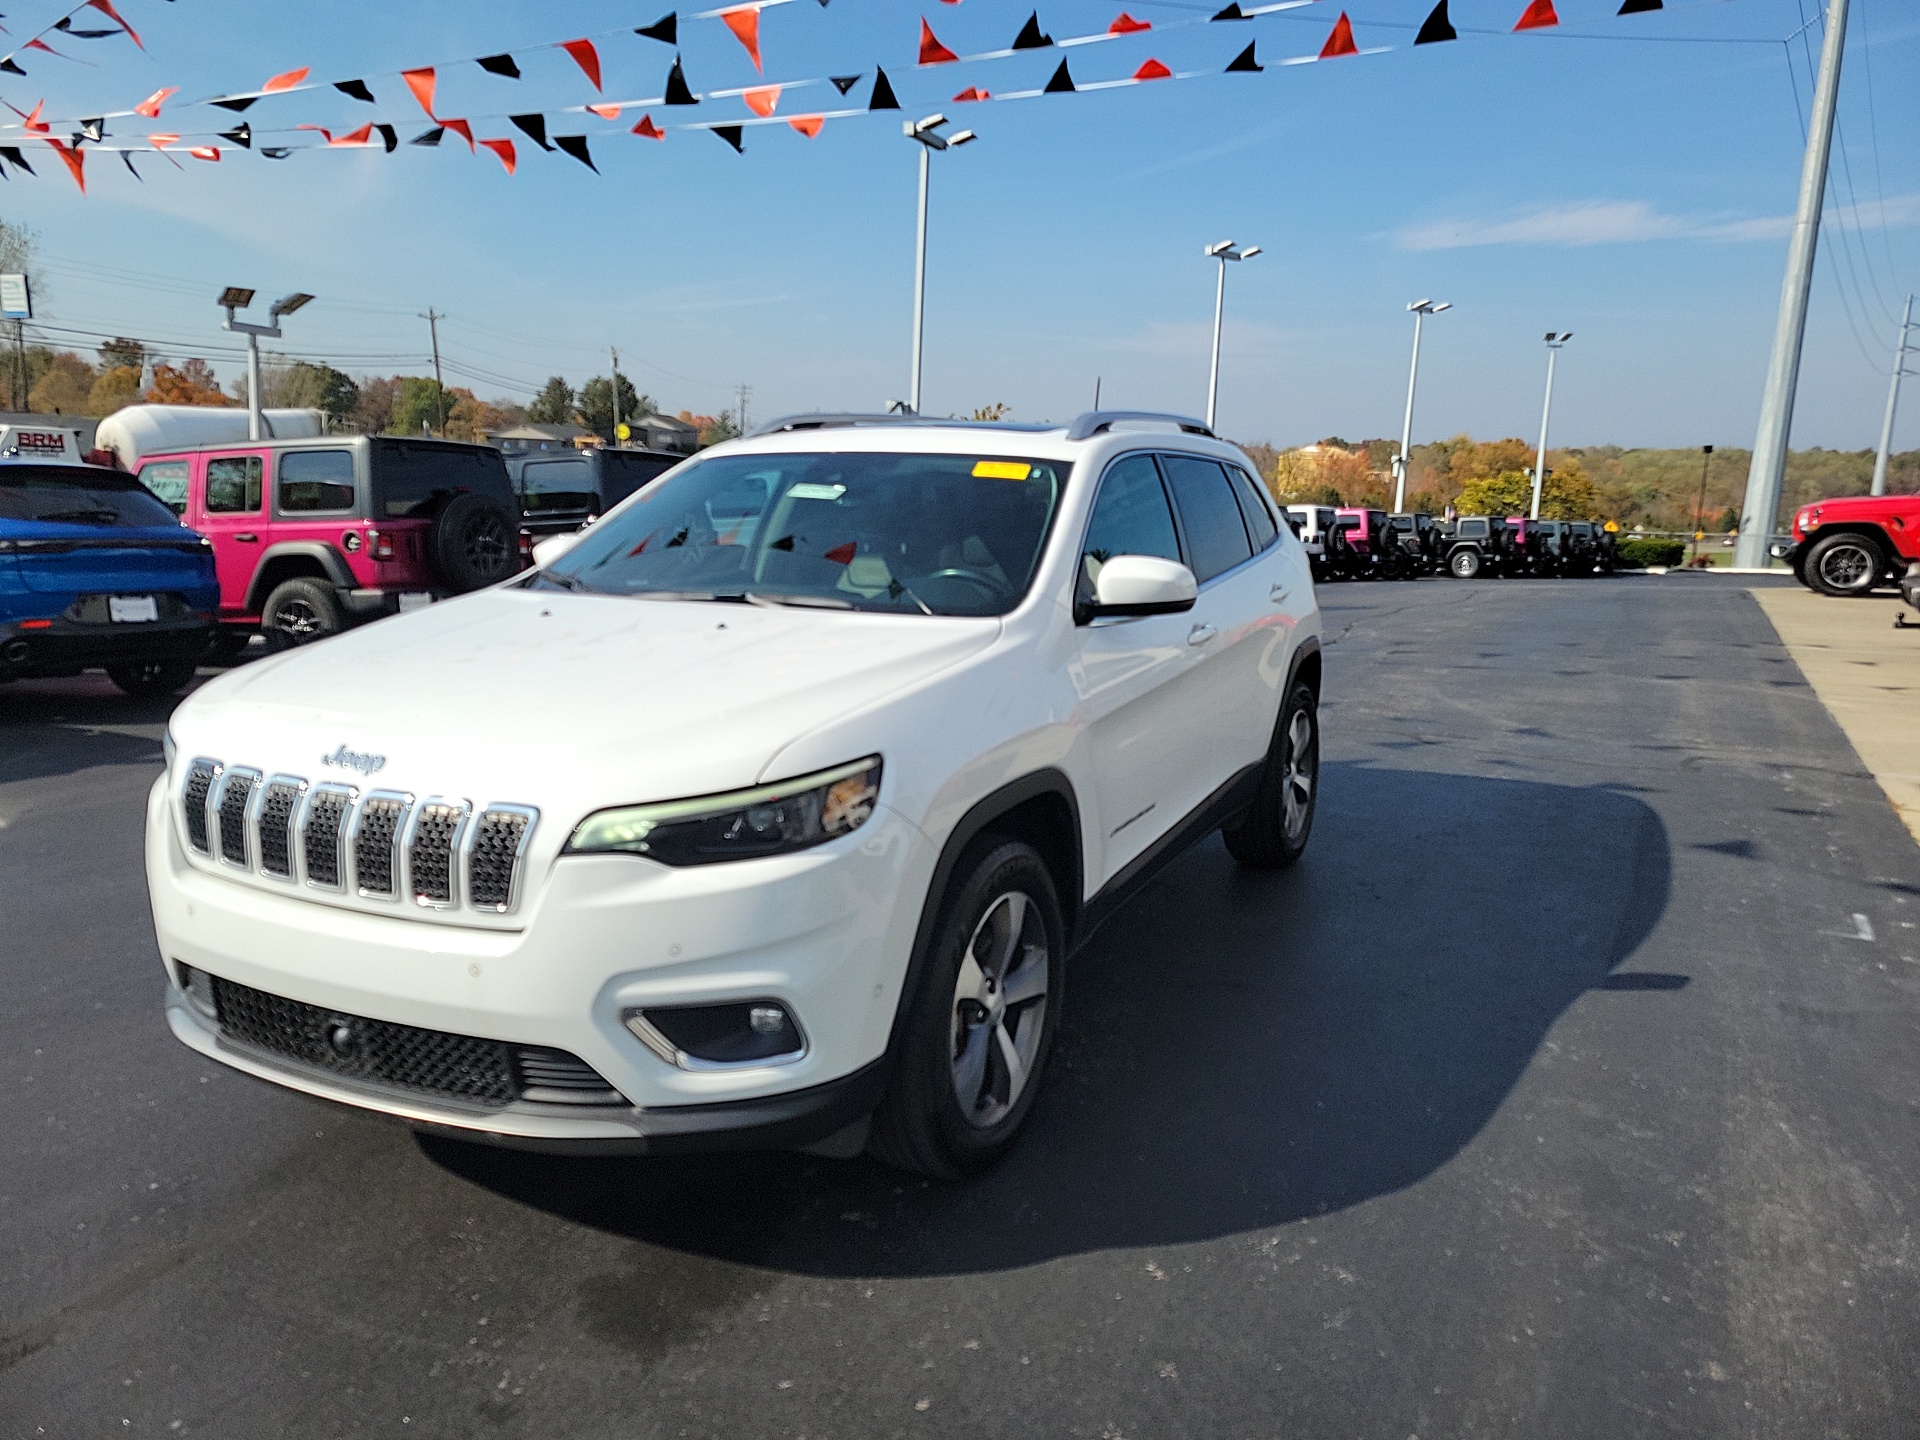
[96, 572]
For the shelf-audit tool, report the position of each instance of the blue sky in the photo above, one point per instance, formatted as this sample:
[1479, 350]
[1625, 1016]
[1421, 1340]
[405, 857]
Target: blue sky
[1633, 191]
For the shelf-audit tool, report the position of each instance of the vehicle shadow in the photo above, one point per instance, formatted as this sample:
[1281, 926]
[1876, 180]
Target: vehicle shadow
[1239, 1050]
[50, 728]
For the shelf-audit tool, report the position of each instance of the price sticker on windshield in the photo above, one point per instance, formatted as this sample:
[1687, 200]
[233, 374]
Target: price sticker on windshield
[1001, 470]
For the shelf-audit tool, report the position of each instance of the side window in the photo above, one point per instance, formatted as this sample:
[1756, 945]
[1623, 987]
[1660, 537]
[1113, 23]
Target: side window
[1253, 509]
[312, 480]
[1216, 535]
[168, 480]
[1131, 517]
[233, 484]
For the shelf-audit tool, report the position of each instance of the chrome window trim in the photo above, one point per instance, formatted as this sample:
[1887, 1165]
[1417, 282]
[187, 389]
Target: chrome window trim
[256, 806]
[350, 796]
[516, 881]
[206, 805]
[456, 886]
[216, 801]
[352, 845]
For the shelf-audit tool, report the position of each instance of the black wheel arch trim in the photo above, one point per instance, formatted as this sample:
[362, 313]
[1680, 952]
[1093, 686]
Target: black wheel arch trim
[333, 569]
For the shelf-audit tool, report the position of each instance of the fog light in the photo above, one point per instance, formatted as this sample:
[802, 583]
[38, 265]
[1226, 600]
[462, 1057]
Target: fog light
[197, 986]
[698, 1037]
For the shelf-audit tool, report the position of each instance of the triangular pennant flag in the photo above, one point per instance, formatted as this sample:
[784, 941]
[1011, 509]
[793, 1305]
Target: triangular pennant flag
[647, 128]
[744, 22]
[730, 134]
[276, 152]
[33, 121]
[356, 89]
[586, 57]
[66, 27]
[534, 127]
[150, 107]
[460, 128]
[13, 156]
[843, 83]
[1232, 12]
[42, 45]
[76, 162]
[389, 137]
[1538, 15]
[422, 82]
[237, 104]
[1151, 69]
[677, 91]
[576, 146]
[1244, 63]
[499, 65]
[762, 99]
[1030, 37]
[1637, 7]
[808, 125]
[1125, 24]
[666, 29]
[429, 137]
[241, 135]
[12, 69]
[95, 130]
[127, 160]
[883, 97]
[160, 142]
[971, 94]
[1061, 83]
[362, 136]
[605, 112]
[932, 52]
[286, 80]
[1340, 42]
[105, 7]
[205, 152]
[503, 149]
[1437, 27]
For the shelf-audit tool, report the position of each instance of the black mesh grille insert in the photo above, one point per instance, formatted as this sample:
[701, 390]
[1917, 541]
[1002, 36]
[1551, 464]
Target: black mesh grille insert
[428, 1062]
[233, 816]
[194, 802]
[496, 849]
[276, 828]
[379, 823]
[320, 836]
[430, 857]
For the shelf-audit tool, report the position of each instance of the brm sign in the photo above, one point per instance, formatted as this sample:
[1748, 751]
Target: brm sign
[40, 444]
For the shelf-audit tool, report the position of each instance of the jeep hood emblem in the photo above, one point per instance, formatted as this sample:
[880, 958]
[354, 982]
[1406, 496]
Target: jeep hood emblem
[346, 759]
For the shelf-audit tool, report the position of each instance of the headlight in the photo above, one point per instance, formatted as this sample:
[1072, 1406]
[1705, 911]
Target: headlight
[767, 820]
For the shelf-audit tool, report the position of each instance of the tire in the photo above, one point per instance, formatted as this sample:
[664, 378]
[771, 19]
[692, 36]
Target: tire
[299, 612]
[956, 1104]
[1845, 564]
[473, 543]
[1464, 564]
[1274, 832]
[145, 679]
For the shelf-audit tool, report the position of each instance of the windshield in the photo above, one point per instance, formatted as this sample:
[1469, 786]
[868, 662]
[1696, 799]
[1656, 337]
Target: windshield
[76, 495]
[913, 534]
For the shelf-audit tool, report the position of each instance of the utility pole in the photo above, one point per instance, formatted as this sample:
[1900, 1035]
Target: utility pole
[1900, 350]
[1767, 474]
[1700, 505]
[433, 320]
[615, 437]
[742, 392]
[1554, 342]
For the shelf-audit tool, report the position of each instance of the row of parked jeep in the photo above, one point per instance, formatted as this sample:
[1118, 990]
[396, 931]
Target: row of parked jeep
[1351, 543]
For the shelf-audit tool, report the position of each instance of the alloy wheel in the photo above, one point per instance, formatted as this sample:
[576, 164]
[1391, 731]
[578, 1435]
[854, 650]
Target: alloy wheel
[298, 620]
[1296, 785]
[999, 1009]
[1848, 567]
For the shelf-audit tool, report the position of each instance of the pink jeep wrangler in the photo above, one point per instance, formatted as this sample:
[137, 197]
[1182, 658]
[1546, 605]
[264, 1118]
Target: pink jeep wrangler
[310, 536]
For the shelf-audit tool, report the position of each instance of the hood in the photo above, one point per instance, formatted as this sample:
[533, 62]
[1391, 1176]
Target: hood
[565, 702]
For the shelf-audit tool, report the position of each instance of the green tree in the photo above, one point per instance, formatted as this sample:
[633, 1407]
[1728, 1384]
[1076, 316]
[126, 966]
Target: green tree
[419, 405]
[713, 429]
[554, 404]
[1568, 494]
[594, 408]
[122, 353]
[306, 386]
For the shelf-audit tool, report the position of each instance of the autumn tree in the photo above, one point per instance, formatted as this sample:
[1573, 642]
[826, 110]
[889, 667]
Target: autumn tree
[471, 418]
[1568, 494]
[191, 383]
[64, 386]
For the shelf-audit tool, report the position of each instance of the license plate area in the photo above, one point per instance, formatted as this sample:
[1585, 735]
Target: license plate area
[132, 609]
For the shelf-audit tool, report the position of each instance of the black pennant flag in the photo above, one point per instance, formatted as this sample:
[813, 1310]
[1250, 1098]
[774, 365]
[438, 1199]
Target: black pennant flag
[844, 83]
[235, 105]
[94, 130]
[576, 146]
[428, 137]
[11, 154]
[1244, 63]
[388, 137]
[1438, 27]
[499, 65]
[1232, 12]
[677, 91]
[534, 127]
[356, 88]
[730, 134]
[883, 96]
[130, 170]
[12, 69]
[666, 29]
[1030, 37]
[241, 135]
[276, 152]
[1061, 83]
[1638, 7]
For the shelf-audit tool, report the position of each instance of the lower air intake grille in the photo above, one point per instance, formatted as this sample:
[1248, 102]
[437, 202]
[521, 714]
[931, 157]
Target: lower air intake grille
[276, 828]
[496, 851]
[404, 1057]
[320, 836]
[194, 802]
[379, 826]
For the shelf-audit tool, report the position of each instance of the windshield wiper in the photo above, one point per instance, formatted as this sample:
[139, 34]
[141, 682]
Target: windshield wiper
[895, 590]
[804, 602]
[554, 577]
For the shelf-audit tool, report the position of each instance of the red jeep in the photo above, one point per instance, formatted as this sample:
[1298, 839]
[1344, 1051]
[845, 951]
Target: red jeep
[1849, 546]
[310, 536]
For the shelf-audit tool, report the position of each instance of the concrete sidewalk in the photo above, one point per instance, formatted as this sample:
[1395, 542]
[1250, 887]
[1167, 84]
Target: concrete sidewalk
[1866, 673]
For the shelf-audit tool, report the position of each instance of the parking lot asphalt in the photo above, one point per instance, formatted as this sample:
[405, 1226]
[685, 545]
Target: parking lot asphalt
[1568, 1087]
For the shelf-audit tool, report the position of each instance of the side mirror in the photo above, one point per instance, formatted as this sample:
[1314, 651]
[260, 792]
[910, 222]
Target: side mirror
[552, 547]
[1143, 585]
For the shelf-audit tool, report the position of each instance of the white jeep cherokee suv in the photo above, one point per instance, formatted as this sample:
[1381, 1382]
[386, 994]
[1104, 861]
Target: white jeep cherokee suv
[765, 815]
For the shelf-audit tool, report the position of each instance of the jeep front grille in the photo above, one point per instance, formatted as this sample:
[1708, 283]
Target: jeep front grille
[444, 854]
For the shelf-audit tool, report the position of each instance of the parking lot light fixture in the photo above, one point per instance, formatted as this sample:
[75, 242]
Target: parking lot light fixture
[1421, 309]
[927, 133]
[236, 297]
[1223, 251]
[1554, 342]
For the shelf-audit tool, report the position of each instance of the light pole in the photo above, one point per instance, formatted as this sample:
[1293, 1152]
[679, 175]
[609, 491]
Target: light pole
[235, 298]
[1223, 252]
[1554, 342]
[1900, 351]
[1700, 505]
[1421, 309]
[927, 132]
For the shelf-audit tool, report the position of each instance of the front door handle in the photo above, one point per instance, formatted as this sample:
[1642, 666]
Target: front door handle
[1200, 634]
[248, 536]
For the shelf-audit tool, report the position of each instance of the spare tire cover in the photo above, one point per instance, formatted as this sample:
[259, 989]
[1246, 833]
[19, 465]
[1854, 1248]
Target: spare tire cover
[473, 543]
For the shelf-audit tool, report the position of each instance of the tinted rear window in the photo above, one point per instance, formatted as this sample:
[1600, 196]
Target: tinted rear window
[1253, 509]
[73, 495]
[312, 480]
[1216, 535]
[413, 478]
[622, 473]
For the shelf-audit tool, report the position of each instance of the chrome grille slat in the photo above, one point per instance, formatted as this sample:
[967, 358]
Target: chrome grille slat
[375, 833]
[322, 828]
[201, 775]
[495, 851]
[432, 844]
[230, 814]
[279, 803]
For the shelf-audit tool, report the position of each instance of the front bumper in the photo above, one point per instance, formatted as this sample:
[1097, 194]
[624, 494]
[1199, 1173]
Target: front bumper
[67, 647]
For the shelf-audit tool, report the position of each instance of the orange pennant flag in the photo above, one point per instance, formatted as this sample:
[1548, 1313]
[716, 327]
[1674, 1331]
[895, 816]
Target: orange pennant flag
[1539, 15]
[504, 149]
[647, 128]
[105, 7]
[972, 93]
[588, 58]
[33, 122]
[744, 22]
[605, 112]
[75, 159]
[422, 83]
[160, 142]
[808, 125]
[150, 107]
[285, 81]
[932, 52]
[1340, 42]
[205, 152]
[460, 128]
[1125, 24]
[761, 101]
[1152, 70]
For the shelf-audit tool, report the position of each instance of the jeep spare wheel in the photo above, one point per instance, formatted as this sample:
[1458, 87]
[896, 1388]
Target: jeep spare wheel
[473, 543]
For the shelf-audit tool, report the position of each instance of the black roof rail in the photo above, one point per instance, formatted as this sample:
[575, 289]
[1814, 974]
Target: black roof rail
[828, 420]
[1098, 422]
